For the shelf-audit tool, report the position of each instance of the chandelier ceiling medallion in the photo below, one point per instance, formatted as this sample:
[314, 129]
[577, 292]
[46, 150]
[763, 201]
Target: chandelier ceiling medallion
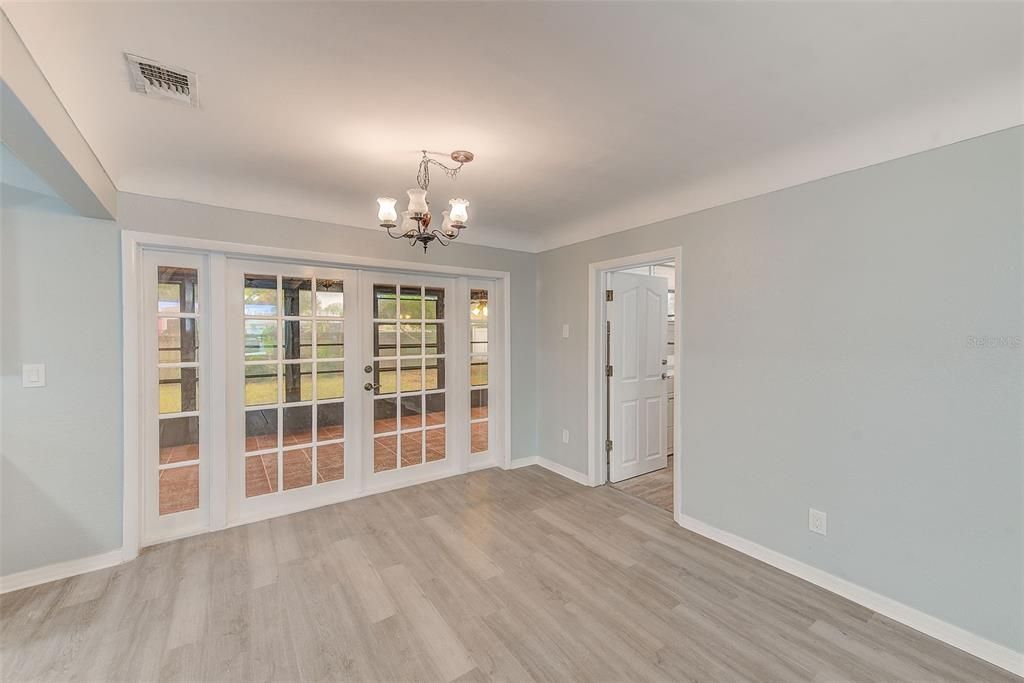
[416, 219]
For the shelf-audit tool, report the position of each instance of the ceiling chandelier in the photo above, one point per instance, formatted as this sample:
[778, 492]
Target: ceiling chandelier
[416, 220]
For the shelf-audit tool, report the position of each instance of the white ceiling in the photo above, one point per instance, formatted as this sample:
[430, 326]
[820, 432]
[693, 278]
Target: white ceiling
[585, 118]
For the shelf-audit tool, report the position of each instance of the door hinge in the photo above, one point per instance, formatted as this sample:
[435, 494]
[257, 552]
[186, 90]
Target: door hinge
[607, 371]
[609, 295]
[608, 445]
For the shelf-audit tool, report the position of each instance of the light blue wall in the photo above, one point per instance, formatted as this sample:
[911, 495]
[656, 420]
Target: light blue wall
[60, 445]
[827, 362]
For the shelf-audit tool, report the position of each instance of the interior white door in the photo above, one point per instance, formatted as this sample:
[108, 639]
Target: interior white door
[638, 388]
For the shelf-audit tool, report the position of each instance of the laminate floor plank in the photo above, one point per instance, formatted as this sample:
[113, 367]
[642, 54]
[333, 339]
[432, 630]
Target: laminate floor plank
[517, 575]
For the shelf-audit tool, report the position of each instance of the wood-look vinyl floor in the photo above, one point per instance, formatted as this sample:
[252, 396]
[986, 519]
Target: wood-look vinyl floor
[654, 487]
[515, 576]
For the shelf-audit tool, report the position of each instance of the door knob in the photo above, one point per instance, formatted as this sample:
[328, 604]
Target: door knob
[664, 375]
[370, 386]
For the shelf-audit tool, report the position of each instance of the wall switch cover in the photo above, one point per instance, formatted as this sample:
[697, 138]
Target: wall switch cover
[565, 331]
[33, 375]
[817, 521]
[565, 436]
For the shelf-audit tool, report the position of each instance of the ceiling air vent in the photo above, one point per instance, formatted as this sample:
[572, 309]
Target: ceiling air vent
[158, 80]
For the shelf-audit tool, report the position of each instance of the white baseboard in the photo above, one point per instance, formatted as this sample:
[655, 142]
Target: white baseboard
[59, 570]
[553, 466]
[994, 653]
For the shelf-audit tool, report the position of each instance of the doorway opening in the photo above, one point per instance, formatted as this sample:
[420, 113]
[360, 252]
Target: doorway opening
[634, 356]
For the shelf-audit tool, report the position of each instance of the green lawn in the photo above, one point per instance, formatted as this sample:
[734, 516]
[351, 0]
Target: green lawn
[263, 390]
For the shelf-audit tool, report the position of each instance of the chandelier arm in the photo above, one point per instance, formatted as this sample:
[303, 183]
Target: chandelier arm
[440, 237]
[394, 236]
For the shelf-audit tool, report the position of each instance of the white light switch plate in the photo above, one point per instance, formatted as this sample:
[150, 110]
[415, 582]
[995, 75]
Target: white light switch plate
[33, 375]
[565, 331]
[817, 521]
[565, 436]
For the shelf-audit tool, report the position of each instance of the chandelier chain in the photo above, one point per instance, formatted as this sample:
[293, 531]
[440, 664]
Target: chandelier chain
[423, 174]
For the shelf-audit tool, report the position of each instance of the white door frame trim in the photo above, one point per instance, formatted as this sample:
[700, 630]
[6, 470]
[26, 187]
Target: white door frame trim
[597, 469]
[132, 243]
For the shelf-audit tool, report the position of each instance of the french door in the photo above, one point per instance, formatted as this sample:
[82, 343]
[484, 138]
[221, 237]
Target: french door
[269, 386]
[339, 383]
[176, 401]
[289, 353]
[406, 377]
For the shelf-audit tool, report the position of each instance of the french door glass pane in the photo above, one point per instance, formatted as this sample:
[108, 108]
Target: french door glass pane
[261, 340]
[261, 384]
[330, 339]
[385, 453]
[298, 339]
[330, 380]
[433, 373]
[411, 303]
[298, 296]
[289, 424]
[298, 468]
[297, 426]
[478, 437]
[179, 439]
[298, 382]
[330, 299]
[261, 295]
[478, 404]
[179, 389]
[179, 489]
[260, 475]
[330, 462]
[478, 371]
[435, 442]
[330, 422]
[177, 340]
[385, 339]
[384, 302]
[261, 429]
[177, 290]
[435, 409]
[433, 304]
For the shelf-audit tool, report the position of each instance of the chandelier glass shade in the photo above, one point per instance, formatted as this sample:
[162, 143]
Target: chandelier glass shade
[416, 220]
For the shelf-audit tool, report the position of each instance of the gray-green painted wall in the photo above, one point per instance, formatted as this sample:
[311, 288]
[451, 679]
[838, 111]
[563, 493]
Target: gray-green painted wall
[60, 445]
[827, 362]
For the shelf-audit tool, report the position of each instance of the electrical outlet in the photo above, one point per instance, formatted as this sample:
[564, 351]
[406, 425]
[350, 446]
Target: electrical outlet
[565, 436]
[817, 521]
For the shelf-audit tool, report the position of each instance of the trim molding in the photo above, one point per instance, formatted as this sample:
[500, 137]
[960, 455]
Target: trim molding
[994, 653]
[60, 570]
[553, 466]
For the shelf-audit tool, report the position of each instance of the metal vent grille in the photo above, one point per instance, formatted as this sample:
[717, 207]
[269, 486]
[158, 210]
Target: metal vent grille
[159, 80]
